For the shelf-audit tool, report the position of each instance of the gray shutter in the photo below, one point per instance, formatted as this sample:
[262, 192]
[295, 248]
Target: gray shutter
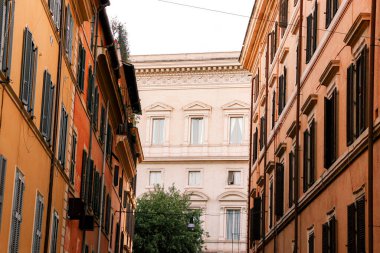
[26, 66]
[102, 123]
[50, 110]
[3, 166]
[328, 13]
[70, 34]
[45, 104]
[37, 233]
[315, 26]
[309, 23]
[33, 76]
[51, 6]
[3, 27]
[17, 212]
[8, 38]
[54, 235]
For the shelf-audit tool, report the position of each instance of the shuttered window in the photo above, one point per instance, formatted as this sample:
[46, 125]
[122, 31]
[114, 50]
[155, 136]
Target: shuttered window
[255, 226]
[116, 176]
[18, 196]
[262, 132]
[89, 183]
[28, 72]
[331, 130]
[255, 147]
[7, 10]
[90, 90]
[273, 42]
[273, 109]
[121, 188]
[279, 201]
[102, 124]
[109, 144]
[270, 204]
[96, 193]
[69, 32]
[356, 227]
[309, 157]
[329, 236]
[73, 158]
[54, 233]
[82, 66]
[291, 178]
[310, 242]
[63, 137]
[47, 107]
[282, 92]
[3, 166]
[125, 199]
[256, 84]
[96, 108]
[55, 11]
[356, 97]
[37, 231]
[108, 214]
[83, 177]
[332, 7]
[283, 13]
[117, 237]
[311, 33]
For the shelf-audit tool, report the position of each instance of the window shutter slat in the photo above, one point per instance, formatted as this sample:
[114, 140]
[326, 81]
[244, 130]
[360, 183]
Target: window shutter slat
[351, 232]
[45, 104]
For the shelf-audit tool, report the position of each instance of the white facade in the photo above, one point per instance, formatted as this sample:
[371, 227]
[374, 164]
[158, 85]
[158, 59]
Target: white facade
[195, 134]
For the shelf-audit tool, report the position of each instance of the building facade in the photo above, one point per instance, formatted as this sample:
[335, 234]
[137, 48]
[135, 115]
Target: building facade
[60, 71]
[195, 135]
[313, 170]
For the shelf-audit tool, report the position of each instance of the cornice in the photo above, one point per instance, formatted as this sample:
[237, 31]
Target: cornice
[194, 69]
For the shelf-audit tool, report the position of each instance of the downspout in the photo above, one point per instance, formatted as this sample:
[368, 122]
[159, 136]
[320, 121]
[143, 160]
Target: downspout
[120, 212]
[265, 139]
[370, 125]
[250, 170]
[55, 130]
[298, 101]
[102, 183]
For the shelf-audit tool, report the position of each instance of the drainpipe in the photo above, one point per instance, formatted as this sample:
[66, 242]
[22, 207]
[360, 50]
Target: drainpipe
[297, 153]
[370, 125]
[120, 212]
[265, 141]
[55, 131]
[102, 183]
[250, 169]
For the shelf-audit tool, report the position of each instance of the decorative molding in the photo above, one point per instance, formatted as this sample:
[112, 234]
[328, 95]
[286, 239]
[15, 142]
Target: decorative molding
[262, 101]
[331, 69]
[269, 168]
[197, 106]
[309, 104]
[283, 54]
[255, 117]
[280, 149]
[272, 79]
[191, 70]
[295, 25]
[236, 105]
[260, 181]
[291, 132]
[357, 28]
[158, 107]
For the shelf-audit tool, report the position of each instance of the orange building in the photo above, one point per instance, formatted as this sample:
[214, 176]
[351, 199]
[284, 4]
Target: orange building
[58, 172]
[315, 126]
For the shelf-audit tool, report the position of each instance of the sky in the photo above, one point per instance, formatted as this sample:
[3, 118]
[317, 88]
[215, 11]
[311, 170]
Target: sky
[160, 27]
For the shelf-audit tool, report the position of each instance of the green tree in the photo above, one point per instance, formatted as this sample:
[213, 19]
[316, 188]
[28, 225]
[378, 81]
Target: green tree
[119, 31]
[162, 219]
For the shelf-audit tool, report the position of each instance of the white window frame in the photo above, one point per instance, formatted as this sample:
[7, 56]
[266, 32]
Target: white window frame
[188, 177]
[150, 186]
[236, 109]
[241, 184]
[240, 222]
[196, 110]
[202, 131]
[153, 119]
[242, 129]
[157, 111]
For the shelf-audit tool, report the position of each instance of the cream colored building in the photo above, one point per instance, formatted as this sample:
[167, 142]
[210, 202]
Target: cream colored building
[195, 134]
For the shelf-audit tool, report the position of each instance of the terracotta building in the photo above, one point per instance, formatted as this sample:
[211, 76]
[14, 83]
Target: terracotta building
[195, 135]
[60, 71]
[313, 175]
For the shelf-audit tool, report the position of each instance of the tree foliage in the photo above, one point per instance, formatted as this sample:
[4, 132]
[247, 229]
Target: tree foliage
[162, 219]
[120, 34]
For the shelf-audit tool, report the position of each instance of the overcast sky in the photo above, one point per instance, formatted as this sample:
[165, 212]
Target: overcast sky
[158, 27]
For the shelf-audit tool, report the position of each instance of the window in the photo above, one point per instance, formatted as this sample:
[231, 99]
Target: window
[356, 226]
[270, 203]
[111, 233]
[196, 133]
[96, 108]
[102, 124]
[329, 236]
[6, 35]
[37, 231]
[83, 176]
[256, 84]
[291, 178]
[309, 157]
[89, 183]
[283, 14]
[158, 131]
[331, 9]
[233, 224]
[155, 178]
[310, 242]
[254, 148]
[356, 97]
[194, 178]
[73, 158]
[234, 177]
[282, 92]
[311, 33]
[262, 132]
[273, 42]
[17, 212]
[3, 166]
[82, 66]
[62, 137]
[69, 32]
[108, 214]
[109, 143]
[116, 176]
[117, 237]
[255, 226]
[28, 73]
[55, 10]
[54, 234]
[92, 42]
[279, 189]
[47, 107]
[90, 90]
[96, 198]
[331, 130]
[273, 108]
[236, 130]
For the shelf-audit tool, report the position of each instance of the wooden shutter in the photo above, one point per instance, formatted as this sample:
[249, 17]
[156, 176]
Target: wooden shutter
[73, 157]
[116, 176]
[273, 108]
[328, 133]
[291, 179]
[125, 198]
[305, 159]
[332, 234]
[3, 166]
[117, 236]
[121, 187]
[26, 67]
[315, 26]
[325, 238]
[262, 127]
[108, 213]
[102, 123]
[17, 212]
[335, 6]
[83, 177]
[283, 14]
[328, 13]
[89, 182]
[45, 104]
[284, 89]
[95, 202]
[312, 146]
[53, 242]
[279, 189]
[254, 149]
[311, 243]
[309, 23]
[351, 231]
[96, 108]
[360, 214]
[255, 219]
[62, 139]
[350, 105]
[37, 233]
[90, 90]
[280, 93]
[270, 204]
[361, 83]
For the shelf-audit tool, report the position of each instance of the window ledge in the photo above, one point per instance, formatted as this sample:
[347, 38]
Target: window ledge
[357, 28]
